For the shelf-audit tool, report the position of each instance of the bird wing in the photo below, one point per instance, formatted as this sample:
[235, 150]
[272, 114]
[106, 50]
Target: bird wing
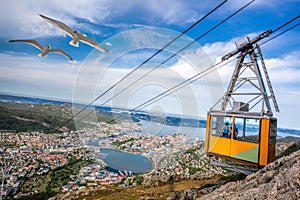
[92, 43]
[62, 52]
[32, 42]
[59, 24]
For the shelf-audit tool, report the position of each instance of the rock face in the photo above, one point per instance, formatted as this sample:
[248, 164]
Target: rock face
[278, 180]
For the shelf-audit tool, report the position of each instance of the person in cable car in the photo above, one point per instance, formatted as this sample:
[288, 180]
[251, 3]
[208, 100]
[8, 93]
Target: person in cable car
[226, 130]
[235, 131]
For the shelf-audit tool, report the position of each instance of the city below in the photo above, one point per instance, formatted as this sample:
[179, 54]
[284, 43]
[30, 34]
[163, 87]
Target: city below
[29, 156]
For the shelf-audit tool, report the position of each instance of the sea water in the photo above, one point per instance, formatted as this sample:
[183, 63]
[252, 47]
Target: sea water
[122, 161]
[137, 163]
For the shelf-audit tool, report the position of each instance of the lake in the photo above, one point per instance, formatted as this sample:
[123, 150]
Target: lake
[122, 161]
[137, 163]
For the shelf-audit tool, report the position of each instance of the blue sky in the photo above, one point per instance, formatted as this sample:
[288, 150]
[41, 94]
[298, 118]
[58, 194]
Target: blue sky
[148, 25]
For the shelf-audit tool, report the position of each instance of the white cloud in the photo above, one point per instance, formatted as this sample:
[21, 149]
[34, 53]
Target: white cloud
[87, 28]
[149, 87]
[21, 19]
[108, 44]
[36, 76]
[271, 4]
[286, 69]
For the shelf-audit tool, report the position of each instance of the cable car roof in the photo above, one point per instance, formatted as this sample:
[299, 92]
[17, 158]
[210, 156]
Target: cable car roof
[242, 114]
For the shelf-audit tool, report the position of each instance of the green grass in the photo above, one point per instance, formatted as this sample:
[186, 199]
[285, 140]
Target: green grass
[43, 187]
[9, 144]
[191, 151]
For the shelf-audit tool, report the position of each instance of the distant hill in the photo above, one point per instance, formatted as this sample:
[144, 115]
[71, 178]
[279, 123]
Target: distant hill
[28, 100]
[34, 114]
[170, 120]
[29, 117]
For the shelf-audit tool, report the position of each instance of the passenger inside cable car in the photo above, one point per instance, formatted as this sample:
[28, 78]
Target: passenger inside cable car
[234, 131]
[226, 130]
[229, 130]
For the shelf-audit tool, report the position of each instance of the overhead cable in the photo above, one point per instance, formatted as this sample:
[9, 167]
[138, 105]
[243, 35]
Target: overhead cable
[201, 36]
[185, 47]
[200, 74]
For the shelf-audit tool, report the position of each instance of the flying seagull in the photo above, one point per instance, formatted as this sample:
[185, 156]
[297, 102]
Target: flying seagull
[76, 35]
[44, 49]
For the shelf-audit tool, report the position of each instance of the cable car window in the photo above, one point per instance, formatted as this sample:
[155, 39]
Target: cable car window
[216, 120]
[226, 127]
[251, 133]
[220, 126]
[273, 128]
[214, 126]
[238, 130]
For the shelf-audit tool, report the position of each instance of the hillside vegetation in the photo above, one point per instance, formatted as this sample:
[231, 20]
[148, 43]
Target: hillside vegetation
[38, 117]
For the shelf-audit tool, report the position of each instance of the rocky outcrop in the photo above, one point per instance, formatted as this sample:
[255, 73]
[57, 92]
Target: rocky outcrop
[278, 180]
[288, 149]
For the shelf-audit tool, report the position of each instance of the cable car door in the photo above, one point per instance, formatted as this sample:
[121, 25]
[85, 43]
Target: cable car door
[219, 138]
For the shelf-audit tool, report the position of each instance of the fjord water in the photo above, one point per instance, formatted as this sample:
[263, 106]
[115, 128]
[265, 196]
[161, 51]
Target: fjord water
[123, 161]
[137, 163]
[159, 129]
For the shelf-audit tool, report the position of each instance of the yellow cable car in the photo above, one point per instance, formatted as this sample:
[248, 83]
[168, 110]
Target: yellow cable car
[250, 139]
[244, 132]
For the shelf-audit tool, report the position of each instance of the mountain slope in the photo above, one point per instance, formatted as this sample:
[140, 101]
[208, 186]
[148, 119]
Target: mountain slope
[278, 180]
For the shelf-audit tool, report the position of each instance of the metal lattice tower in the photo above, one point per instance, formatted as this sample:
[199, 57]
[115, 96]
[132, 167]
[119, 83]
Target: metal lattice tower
[247, 76]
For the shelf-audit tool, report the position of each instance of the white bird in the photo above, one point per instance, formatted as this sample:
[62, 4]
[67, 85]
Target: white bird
[44, 49]
[76, 35]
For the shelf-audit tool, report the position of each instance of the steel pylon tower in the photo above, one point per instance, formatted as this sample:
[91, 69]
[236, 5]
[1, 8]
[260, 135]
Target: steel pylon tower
[248, 71]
